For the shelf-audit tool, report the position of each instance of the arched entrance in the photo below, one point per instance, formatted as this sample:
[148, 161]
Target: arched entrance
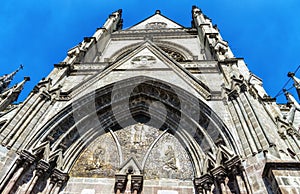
[140, 134]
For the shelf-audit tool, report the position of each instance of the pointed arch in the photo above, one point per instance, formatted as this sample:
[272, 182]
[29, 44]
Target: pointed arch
[121, 104]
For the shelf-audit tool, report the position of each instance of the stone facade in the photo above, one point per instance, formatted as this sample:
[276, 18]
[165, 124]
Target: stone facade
[155, 108]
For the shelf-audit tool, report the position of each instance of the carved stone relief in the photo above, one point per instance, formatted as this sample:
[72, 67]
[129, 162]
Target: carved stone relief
[156, 25]
[99, 160]
[135, 140]
[162, 154]
[173, 54]
[143, 61]
[168, 159]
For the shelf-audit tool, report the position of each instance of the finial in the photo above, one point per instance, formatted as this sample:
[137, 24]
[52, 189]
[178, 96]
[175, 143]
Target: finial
[20, 67]
[157, 12]
[7, 78]
[291, 74]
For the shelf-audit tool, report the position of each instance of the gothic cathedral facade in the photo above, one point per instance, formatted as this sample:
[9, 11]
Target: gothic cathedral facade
[157, 108]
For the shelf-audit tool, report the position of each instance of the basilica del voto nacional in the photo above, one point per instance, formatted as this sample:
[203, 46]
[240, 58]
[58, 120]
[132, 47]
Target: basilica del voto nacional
[157, 108]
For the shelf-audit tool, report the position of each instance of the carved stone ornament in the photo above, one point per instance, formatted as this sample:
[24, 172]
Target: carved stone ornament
[157, 153]
[168, 159]
[204, 182]
[121, 182]
[156, 25]
[143, 61]
[136, 183]
[59, 177]
[98, 160]
[42, 167]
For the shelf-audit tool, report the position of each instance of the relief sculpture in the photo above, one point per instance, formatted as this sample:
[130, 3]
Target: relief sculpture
[98, 160]
[136, 139]
[168, 159]
[143, 61]
[98, 157]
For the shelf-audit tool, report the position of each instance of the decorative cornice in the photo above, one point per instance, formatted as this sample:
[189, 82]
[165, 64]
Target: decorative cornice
[26, 158]
[89, 39]
[156, 33]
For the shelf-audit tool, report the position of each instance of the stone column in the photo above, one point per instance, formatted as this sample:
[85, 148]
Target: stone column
[49, 186]
[137, 184]
[251, 147]
[57, 181]
[120, 183]
[198, 187]
[235, 182]
[41, 169]
[203, 184]
[26, 158]
[28, 118]
[58, 186]
[10, 173]
[219, 175]
[237, 175]
[15, 129]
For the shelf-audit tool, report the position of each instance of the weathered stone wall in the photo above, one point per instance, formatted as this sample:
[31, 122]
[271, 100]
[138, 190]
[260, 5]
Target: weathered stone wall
[106, 186]
[282, 177]
[7, 159]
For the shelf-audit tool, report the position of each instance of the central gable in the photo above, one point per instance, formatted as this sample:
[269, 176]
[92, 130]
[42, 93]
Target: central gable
[156, 21]
[146, 60]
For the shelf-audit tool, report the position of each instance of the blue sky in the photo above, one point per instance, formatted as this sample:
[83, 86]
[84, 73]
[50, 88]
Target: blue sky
[38, 34]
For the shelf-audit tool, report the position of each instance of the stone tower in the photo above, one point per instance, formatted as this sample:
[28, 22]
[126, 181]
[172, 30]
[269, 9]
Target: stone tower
[155, 108]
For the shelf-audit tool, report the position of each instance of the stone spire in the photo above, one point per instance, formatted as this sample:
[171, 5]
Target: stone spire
[6, 79]
[209, 33]
[12, 94]
[296, 82]
[295, 106]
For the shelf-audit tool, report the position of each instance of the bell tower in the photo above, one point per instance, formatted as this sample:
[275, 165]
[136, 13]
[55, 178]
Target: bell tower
[157, 108]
